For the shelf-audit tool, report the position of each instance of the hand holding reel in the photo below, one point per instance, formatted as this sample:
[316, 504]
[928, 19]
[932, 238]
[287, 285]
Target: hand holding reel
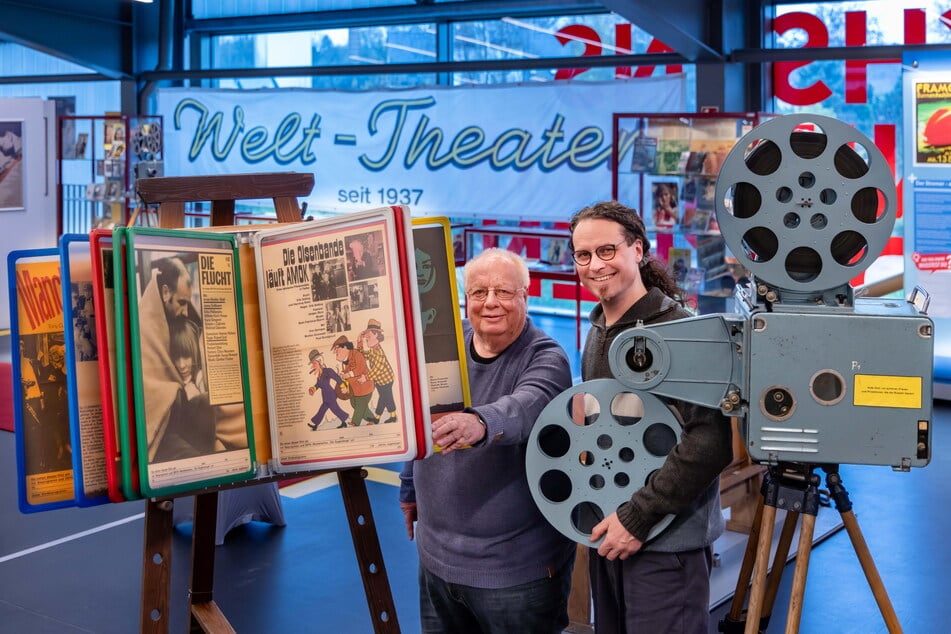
[591, 448]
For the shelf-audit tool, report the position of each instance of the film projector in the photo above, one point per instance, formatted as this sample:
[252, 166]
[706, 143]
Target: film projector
[816, 376]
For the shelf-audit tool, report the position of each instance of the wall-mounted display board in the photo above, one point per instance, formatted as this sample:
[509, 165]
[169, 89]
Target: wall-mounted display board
[927, 196]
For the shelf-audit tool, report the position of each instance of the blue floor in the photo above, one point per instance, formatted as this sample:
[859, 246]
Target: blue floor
[79, 570]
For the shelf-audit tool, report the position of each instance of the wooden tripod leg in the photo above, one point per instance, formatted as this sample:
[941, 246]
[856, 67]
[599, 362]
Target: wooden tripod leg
[871, 572]
[806, 531]
[746, 568]
[763, 546]
[366, 543]
[779, 563]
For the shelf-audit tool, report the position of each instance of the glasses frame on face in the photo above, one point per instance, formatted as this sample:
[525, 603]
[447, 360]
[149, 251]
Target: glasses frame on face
[605, 253]
[501, 294]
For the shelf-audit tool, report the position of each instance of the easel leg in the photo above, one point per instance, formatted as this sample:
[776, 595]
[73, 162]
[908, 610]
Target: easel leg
[366, 543]
[156, 567]
[204, 613]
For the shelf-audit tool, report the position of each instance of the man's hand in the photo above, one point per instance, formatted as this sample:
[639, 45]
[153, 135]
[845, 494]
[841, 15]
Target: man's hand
[457, 430]
[409, 517]
[618, 542]
[311, 390]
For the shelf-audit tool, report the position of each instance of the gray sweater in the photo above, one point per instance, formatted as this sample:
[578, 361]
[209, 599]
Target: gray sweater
[478, 525]
[688, 484]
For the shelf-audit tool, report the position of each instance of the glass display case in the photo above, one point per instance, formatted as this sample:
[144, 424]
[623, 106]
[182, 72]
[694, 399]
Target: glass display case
[665, 166]
[99, 159]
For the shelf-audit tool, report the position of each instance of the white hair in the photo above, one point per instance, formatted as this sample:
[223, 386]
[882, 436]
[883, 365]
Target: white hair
[500, 255]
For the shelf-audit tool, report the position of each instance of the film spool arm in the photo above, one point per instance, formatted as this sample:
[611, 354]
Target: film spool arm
[697, 360]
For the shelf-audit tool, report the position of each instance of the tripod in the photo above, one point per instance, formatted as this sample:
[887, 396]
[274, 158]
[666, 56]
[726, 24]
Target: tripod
[794, 488]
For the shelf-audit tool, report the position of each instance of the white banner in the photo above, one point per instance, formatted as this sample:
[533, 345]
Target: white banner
[527, 152]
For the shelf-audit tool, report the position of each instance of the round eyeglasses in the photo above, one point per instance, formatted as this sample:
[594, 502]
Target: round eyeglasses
[605, 253]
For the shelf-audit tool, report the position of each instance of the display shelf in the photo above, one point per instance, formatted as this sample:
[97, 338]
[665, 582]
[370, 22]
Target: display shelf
[99, 158]
[546, 253]
[666, 166]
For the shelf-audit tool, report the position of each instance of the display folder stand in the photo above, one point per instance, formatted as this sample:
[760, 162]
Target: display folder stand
[171, 194]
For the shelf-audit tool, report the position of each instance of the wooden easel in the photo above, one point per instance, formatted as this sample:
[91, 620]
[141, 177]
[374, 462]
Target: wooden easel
[171, 194]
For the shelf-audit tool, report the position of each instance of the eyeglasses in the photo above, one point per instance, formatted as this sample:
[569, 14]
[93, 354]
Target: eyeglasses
[501, 294]
[605, 253]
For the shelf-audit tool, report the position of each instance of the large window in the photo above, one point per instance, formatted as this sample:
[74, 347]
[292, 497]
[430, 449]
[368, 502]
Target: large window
[504, 39]
[365, 46]
[87, 97]
[861, 92]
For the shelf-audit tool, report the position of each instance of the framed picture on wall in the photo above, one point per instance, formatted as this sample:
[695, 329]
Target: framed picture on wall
[11, 166]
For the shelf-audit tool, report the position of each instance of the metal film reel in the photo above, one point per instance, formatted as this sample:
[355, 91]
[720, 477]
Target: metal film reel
[147, 141]
[580, 473]
[805, 202]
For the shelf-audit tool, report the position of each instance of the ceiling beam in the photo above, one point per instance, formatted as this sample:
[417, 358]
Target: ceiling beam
[683, 25]
[95, 34]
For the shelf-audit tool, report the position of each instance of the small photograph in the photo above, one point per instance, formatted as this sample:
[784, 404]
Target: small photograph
[644, 154]
[679, 261]
[12, 184]
[700, 222]
[113, 190]
[694, 163]
[84, 330]
[112, 168]
[328, 280]
[666, 203]
[365, 256]
[706, 193]
[95, 191]
[79, 150]
[364, 296]
[557, 252]
[338, 316]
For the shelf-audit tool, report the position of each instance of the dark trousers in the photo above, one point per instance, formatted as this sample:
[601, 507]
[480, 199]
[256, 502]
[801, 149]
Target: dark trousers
[652, 592]
[536, 607]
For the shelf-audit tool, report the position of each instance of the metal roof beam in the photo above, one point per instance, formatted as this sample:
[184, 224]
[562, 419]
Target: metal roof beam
[684, 25]
[95, 34]
[383, 16]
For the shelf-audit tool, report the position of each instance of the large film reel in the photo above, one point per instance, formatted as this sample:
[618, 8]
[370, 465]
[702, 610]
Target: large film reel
[579, 473]
[805, 202]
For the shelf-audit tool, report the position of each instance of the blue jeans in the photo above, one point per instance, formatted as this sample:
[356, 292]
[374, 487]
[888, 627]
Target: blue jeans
[536, 607]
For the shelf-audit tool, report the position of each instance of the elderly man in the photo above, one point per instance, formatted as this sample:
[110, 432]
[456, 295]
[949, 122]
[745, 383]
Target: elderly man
[489, 562]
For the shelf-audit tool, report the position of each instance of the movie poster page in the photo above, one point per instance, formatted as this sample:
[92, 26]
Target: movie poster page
[190, 401]
[933, 122]
[334, 344]
[85, 355]
[446, 376]
[46, 469]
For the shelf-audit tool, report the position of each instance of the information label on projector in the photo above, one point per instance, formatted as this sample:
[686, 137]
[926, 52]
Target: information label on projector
[874, 390]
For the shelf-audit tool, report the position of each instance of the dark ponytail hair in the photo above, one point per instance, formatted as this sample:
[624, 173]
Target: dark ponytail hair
[654, 273]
